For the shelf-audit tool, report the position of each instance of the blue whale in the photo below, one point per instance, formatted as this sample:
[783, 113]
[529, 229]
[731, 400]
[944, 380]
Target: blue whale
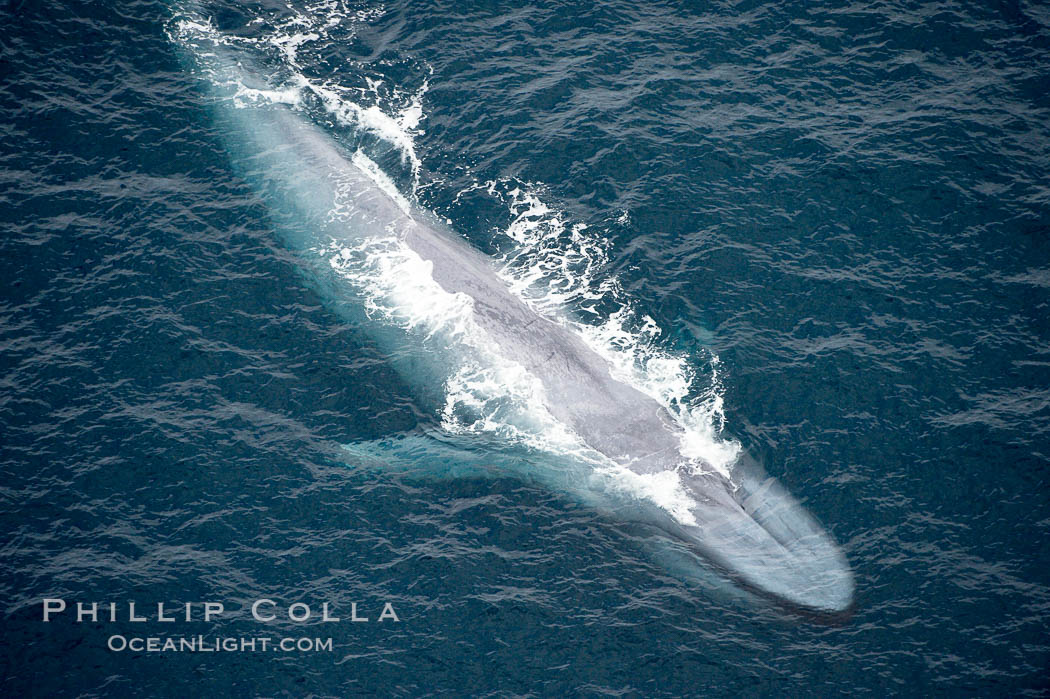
[745, 525]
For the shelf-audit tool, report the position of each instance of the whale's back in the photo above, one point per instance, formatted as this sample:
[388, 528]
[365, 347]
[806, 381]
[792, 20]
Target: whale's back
[611, 416]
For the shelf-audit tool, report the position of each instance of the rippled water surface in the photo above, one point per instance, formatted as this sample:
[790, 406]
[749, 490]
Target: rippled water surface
[822, 232]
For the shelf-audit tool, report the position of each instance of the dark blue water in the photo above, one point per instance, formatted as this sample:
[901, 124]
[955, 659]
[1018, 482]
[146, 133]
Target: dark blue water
[848, 205]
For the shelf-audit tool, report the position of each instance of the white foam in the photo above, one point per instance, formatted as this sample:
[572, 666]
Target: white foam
[558, 267]
[286, 39]
[484, 392]
[664, 489]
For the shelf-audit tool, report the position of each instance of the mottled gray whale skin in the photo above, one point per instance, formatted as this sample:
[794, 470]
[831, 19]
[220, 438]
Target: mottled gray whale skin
[751, 528]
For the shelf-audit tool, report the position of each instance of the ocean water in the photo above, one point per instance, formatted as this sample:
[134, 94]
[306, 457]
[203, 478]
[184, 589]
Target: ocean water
[819, 234]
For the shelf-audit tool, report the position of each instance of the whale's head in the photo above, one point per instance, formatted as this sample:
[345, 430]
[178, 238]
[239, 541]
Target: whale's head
[760, 536]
